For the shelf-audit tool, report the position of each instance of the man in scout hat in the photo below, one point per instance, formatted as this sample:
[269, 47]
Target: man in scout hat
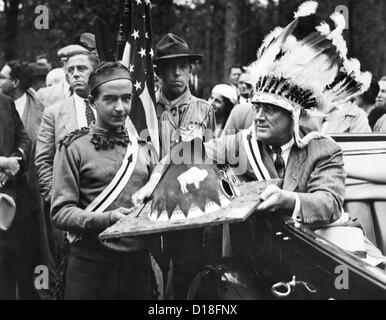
[182, 117]
[96, 171]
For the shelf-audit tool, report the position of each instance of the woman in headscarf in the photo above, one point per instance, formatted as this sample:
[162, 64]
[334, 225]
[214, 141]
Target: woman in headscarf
[223, 98]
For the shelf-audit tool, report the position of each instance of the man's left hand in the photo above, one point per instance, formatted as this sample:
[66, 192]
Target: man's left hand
[273, 198]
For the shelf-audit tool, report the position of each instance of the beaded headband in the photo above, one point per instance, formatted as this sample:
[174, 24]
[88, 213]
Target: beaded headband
[106, 75]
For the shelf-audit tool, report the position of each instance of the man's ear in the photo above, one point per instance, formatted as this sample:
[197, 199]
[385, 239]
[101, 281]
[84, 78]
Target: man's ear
[16, 83]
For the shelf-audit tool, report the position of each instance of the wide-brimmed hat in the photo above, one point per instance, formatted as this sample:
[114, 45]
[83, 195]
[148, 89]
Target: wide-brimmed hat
[173, 47]
[7, 211]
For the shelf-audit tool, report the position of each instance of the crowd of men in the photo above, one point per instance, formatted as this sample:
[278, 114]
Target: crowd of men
[64, 142]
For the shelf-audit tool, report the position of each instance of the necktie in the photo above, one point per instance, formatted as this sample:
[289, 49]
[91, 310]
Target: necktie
[279, 162]
[89, 113]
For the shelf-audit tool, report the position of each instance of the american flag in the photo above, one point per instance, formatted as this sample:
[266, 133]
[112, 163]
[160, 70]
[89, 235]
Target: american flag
[138, 58]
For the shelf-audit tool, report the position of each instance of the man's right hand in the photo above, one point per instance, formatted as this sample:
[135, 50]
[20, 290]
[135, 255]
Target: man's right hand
[119, 213]
[10, 165]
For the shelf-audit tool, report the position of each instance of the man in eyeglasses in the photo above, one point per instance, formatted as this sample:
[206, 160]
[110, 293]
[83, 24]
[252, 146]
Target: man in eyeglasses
[311, 167]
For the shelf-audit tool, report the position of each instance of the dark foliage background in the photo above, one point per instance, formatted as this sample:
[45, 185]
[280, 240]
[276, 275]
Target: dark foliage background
[225, 31]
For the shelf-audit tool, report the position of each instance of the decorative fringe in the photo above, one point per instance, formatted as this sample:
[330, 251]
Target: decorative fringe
[104, 142]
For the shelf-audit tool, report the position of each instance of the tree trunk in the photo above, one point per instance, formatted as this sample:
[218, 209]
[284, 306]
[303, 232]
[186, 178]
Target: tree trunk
[209, 48]
[231, 35]
[11, 13]
[351, 27]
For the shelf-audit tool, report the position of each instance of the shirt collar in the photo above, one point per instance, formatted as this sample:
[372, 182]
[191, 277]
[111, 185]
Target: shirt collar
[287, 146]
[21, 102]
[79, 101]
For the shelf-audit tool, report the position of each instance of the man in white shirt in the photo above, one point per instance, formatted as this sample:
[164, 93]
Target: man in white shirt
[66, 116]
[58, 120]
[57, 92]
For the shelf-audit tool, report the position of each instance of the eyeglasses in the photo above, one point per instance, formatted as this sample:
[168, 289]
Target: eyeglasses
[3, 77]
[268, 109]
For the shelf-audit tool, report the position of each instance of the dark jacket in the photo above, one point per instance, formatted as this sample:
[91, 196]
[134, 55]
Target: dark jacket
[14, 140]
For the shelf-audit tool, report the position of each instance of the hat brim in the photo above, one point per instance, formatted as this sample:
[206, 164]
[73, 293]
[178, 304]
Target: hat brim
[191, 57]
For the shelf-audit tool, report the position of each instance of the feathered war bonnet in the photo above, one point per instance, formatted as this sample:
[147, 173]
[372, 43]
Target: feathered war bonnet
[307, 72]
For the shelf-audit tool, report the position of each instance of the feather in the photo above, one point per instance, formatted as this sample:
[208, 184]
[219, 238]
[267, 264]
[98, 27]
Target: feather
[268, 40]
[341, 45]
[366, 81]
[340, 24]
[324, 29]
[352, 66]
[289, 44]
[262, 65]
[307, 49]
[306, 9]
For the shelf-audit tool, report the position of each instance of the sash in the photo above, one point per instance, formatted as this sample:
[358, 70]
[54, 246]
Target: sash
[115, 187]
[261, 172]
[253, 154]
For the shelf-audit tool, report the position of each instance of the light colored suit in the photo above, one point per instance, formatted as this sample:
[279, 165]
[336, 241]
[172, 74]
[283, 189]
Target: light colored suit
[53, 94]
[240, 118]
[316, 173]
[347, 118]
[380, 125]
[58, 120]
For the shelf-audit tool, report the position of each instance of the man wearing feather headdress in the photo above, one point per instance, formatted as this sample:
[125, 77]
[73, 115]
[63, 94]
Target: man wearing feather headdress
[293, 77]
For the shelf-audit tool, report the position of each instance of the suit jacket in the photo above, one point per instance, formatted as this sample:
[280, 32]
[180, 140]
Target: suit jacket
[348, 118]
[52, 95]
[32, 115]
[240, 118]
[380, 125]
[14, 140]
[58, 120]
[316, 173]
[28, 189]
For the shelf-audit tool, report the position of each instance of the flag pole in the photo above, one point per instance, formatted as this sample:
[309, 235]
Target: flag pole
[123, 30]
